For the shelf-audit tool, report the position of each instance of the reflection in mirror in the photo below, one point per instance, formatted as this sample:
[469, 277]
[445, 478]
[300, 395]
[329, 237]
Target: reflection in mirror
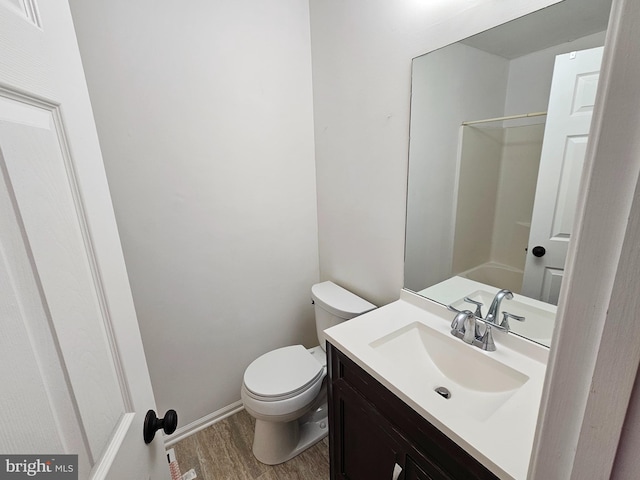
[499, 128]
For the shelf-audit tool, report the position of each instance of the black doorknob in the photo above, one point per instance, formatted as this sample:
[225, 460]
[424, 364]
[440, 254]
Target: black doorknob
[538, 251]
[152, 424]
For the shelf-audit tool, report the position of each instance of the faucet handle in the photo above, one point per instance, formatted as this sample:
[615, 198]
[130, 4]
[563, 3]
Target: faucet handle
[477, 304]
[464, 327]
[453, 309]
[455, 324]
[477, 315]
[458, 321]
[505, 320]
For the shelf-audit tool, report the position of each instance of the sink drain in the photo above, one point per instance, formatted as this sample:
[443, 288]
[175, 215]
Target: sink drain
[443, 392]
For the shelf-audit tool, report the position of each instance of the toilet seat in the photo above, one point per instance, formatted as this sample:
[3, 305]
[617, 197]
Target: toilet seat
[282, 373]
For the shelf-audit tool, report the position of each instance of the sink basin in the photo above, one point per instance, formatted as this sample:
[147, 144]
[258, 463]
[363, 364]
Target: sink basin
[478, 384]
[539, 322]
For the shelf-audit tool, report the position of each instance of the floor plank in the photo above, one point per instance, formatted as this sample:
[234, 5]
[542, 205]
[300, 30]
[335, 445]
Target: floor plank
[223, 452]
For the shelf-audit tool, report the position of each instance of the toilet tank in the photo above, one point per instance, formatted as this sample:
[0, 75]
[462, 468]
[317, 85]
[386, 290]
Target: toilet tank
[334, 305]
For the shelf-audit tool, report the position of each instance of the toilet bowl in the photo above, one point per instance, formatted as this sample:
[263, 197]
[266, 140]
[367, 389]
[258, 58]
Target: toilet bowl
[285, 389]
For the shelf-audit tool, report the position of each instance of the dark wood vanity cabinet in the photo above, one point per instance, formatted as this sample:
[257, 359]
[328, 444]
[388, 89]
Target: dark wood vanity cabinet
[372, 432]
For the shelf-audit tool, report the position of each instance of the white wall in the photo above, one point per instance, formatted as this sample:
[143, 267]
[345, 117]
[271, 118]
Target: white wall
[362, 51]
[461, 83]
[480, 164]
[204, 112]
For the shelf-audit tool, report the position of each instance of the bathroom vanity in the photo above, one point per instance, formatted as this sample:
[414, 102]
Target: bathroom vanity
[390, 373]
[374, 434]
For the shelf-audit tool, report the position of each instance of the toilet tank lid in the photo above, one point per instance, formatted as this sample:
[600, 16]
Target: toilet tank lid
[338, 301]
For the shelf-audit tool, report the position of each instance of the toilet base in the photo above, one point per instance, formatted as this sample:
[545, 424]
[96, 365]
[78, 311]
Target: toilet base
[277, 442]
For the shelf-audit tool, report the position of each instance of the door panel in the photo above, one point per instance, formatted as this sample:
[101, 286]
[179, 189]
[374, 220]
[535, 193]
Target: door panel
[571, 101]
[42, 414]
[73, 371]
[571, 170]
[25, 8]
[36, 179]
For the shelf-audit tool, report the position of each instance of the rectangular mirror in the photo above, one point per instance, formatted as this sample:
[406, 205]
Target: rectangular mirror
[499, 127]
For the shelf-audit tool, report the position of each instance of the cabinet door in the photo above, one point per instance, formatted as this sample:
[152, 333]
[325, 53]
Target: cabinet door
[362, 447]
[413, 471]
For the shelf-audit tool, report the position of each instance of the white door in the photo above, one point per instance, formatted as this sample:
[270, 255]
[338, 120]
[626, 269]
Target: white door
[73, 377]
[573, 91]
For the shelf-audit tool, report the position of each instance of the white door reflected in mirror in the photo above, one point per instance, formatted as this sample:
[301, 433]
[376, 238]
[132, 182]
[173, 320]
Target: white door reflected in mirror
[573, 92]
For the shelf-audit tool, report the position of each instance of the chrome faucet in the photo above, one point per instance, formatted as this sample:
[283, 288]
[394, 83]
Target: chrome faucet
[464, 326]
[494, 309]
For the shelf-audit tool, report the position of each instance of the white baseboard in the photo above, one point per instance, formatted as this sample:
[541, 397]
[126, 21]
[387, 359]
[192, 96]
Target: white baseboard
[202, 423]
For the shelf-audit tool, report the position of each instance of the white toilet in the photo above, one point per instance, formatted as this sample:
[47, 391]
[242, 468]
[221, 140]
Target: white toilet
[284, 390]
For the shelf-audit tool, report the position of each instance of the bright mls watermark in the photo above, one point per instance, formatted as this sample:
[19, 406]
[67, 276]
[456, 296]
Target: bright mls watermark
[46, 467]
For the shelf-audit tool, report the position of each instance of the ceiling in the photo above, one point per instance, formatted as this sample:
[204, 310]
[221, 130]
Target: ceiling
[559, 23]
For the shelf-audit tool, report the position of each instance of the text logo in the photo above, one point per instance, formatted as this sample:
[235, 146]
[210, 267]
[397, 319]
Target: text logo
[44, 467]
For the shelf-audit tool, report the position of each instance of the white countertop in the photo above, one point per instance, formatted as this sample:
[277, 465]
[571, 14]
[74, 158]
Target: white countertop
[502, 441]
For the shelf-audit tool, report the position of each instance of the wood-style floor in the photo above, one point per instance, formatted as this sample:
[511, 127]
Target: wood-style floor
[223, 452]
